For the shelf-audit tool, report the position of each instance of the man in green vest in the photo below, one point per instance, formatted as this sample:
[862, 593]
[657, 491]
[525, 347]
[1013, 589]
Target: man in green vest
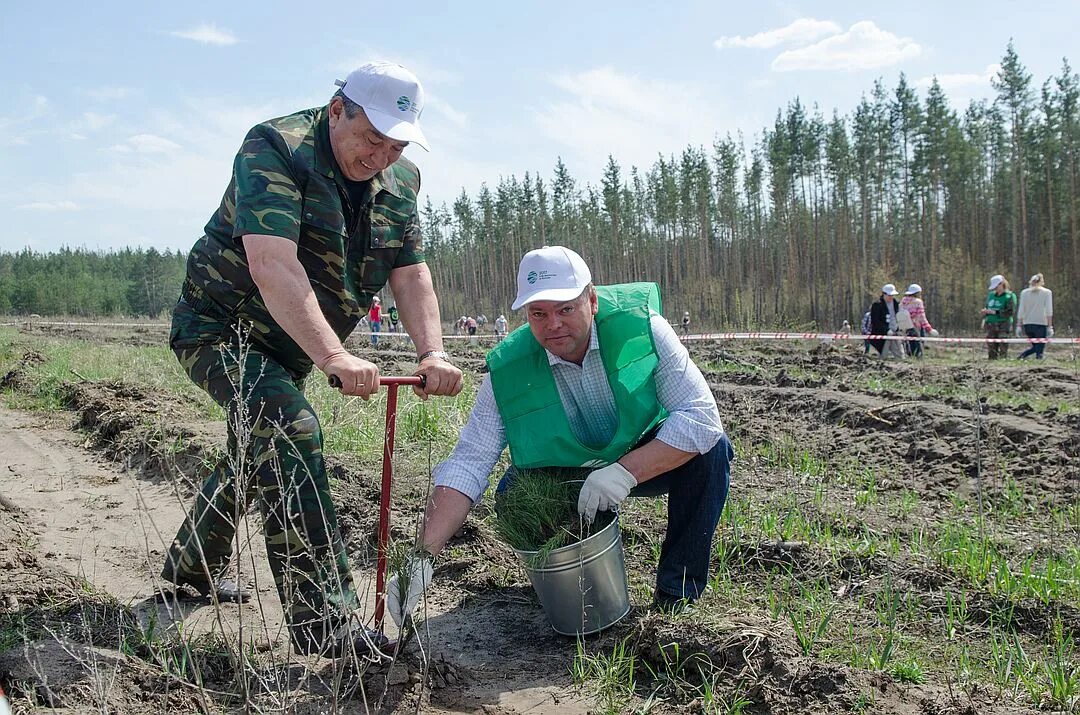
[998, 316]
[596, 378]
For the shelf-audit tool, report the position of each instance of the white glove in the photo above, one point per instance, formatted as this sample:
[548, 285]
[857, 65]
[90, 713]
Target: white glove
[1050, 331]
[419, 571]
[934, 332]
[604, 489]
[1019, 331]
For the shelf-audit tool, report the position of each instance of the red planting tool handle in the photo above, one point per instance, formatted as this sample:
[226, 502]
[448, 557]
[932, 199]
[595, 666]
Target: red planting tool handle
[387, 478]
[421, 380]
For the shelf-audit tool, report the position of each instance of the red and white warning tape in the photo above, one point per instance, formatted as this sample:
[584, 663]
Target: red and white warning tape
[846, 336]
[691, 337]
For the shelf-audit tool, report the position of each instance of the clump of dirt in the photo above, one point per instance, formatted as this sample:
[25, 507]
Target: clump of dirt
[15, 378]
[24, 577]
[145, 431]
[61, 673]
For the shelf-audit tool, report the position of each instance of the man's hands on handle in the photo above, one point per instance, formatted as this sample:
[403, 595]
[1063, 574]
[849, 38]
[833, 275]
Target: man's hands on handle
[404, 590]
[604, 489]
[440, 378]
[355, 376]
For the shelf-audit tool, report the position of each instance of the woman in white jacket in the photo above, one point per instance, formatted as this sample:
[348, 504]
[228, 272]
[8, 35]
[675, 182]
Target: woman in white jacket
[1035, 316]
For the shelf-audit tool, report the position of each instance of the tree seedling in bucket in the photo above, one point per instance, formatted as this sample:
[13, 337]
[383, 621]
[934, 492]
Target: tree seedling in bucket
[538, 511]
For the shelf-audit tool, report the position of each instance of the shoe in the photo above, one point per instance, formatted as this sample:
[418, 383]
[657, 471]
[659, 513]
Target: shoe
[225, 590]
[670, 604]
[353, 639]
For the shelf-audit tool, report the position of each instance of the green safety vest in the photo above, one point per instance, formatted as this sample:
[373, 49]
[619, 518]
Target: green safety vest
[1001, 303]
[537, 428]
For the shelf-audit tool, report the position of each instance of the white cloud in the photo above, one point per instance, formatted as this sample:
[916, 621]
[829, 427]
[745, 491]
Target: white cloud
[50, 206]
[92, 121]
[961, 82]
[629, 117]
[151, 144]
[207, 34]
[458, 119]
[864, 46]
[805, 29]
[107, 94]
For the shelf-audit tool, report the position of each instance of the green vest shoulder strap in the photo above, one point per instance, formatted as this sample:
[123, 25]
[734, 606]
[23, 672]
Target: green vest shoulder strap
[537, 428]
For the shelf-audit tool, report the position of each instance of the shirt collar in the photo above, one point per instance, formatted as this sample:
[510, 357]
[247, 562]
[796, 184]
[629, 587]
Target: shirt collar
[594, 344]
[326, 165]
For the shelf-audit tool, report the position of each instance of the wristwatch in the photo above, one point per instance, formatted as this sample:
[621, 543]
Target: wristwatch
[441, 354]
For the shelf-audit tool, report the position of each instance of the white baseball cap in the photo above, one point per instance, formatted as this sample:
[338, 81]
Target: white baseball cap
[995, 281]
[551, 273]
[392, 99]
[913, 289]
[889, 289]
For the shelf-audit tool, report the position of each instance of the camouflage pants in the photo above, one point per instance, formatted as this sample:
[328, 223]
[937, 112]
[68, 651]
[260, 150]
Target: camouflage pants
[997, 351]
[274, 455]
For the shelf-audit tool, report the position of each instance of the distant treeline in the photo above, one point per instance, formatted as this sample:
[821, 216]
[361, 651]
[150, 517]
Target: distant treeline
[798, 227]
[90, 283]
[804, 223]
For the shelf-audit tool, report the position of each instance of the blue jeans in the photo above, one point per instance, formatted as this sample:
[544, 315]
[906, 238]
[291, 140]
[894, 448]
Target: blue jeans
[696, 493]
[1036, 349]
[376, 326]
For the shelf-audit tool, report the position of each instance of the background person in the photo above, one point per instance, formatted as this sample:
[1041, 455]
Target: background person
[1035, 316]
[912, 303]
[883, 322]
[998, 316]
[866, 328]
[395, 317]
[375, 319]
[548, 396]
[269, 293]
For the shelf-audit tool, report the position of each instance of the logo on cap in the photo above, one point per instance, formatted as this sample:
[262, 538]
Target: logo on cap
[531, 277]
[405, 104]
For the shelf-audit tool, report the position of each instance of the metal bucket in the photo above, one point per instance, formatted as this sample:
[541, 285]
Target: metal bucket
[582, 587]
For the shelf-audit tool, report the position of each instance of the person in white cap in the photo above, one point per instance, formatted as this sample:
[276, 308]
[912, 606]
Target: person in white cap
[918, 325]
[1035, 316]
[647, 428]
[883, 323]
[998, 316]
[319, 215]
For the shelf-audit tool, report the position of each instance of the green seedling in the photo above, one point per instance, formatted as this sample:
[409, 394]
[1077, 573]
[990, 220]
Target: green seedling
[538, 511]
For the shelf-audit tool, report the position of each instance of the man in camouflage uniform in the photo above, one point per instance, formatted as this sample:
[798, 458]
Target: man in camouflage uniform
[319, 215]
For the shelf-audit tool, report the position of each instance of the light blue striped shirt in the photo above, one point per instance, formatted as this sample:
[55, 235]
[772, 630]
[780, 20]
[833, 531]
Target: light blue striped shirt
[693, 423]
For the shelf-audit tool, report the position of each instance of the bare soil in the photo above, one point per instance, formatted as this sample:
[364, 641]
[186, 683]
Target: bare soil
[88, 498]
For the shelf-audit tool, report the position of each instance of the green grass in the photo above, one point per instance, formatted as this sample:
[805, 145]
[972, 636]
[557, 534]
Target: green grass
[65, 361]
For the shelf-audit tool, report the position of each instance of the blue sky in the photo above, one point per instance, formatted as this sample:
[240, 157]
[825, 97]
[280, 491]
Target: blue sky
[119, 120]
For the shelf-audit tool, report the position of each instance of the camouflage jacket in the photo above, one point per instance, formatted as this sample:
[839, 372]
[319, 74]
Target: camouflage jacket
[286, 183]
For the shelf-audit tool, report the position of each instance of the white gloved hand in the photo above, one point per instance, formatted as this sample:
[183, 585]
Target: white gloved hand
[1019, 331]
[934, 332]
[418, 573]
[604, 489]
[1050, 331]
